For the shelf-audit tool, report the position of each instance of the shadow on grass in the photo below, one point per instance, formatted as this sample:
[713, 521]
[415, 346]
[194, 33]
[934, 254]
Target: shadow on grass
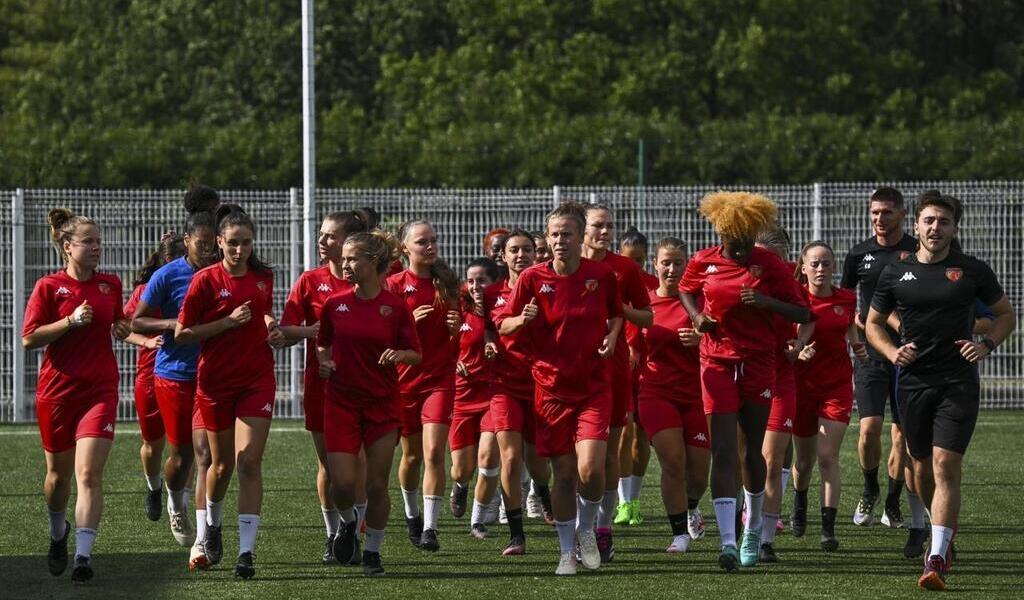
[119, 575]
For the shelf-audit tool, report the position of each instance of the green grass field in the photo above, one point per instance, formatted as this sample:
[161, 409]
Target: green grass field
[135, 558]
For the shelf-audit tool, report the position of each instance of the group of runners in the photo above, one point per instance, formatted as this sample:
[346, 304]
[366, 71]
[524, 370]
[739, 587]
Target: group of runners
[550, 368]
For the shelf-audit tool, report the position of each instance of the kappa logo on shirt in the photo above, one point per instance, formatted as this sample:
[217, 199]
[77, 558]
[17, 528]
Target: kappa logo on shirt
[323, 288]
[342, 308]
[224, 293]
[63, 291]
[767, 394]
[700, 437]
[410, 289]
[868, 258]
[109, 427]
[267, 408]
[466, 327]
[788, 424]
[711, 269]
[908, 276]
[546, 289]
[500, 302]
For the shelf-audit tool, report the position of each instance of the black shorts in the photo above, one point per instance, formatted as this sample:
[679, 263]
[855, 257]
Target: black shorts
[874, 386]
[942, 416]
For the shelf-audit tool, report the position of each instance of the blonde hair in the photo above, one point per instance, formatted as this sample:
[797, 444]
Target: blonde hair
[738, 215]
[63, 224]
[377, 245]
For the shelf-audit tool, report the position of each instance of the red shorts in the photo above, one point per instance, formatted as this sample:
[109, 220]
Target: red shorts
[834, 403]
[513, 411]
[351, 423]
[621, 381]
[61, 424]
[726, 384]
[780, 419]
[665, 409]
[467, 427]
[146, 408]
[220, 408]
[179, 409]
[560, 425]
[313, 401]
[427, 407]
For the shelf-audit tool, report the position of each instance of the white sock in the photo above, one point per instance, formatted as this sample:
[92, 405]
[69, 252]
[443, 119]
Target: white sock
[154, 482]
[360, 516]
[478, 513]
[248, 525]
[411, 498]
[566, 535]
[941, 537]
[755, 502]
[190, 493]
[917, 518]
[588, 510]
[348, 515]
[636, 484]
[332, 520]
[725, 516]
[200, 525]
[624, 483]
[84, 538]
[214, 512]
[374, 539]
[58, 525]
[176, 501]
[431, 511]
[606, 512]
[768, 527]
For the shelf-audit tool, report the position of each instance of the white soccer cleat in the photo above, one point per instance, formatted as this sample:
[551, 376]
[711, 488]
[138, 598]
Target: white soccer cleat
[534, 508]
[566, 564]
[590, 555]
[695, 524]
[181, 528]
[680, 544]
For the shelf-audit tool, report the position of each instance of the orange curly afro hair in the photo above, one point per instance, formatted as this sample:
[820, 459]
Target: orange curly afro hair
[738, 215]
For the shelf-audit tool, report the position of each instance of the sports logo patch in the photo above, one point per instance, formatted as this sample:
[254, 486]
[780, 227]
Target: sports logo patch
[342, 308]
[385, 310]
[103, 288]
[410, 289]
[954, 274]
[63, 291]
[500, 302]
[591, 285]
[261, 286]
[710, 269]
[756, 271]
[223, 293]
[838, 310]
[546, 289]
[466, 327]
[904, 254]
[323, 287]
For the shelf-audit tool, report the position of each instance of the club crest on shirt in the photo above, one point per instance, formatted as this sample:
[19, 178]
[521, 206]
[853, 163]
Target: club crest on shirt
[385, 311]
[954, 274]
[63, 291]
[261, 286]
[756, 271]
[838, 310]
[103, 288]
[904, 254]
[591, 285]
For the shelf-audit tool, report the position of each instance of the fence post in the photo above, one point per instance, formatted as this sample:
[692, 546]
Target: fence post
[816, 220]
[556, 196]
[296, 258]
[18, 303]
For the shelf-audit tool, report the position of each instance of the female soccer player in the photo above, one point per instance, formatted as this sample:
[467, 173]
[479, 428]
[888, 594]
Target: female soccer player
[73, 313]
[494, 241]
[743, 286]
[543, 252]
[824, 389]
[228, 310]
[174, 375]
[575, 304]
[597, 241]
[364, 332]
[430, 290]
[634, 447]
[301, 321]
[146, 409]
[669, 405]
[512, 401]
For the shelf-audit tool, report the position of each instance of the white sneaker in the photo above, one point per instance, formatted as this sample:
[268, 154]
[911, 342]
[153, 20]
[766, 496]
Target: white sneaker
[864, 515]
[695, 524]
[181, 528]
[534, 508]
[589, 553]
[197, 558]
[679, 545]
[566, 564]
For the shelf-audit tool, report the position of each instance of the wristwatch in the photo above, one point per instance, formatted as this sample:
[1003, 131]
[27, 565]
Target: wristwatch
[991, 345]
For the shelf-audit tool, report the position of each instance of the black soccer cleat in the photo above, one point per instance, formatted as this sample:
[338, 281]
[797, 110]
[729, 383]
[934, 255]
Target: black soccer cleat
[916, 538]
[213, 546]
[458, 500]
[415, 526]
[767, 554]
[153, 504]
[329, 550]
[57, 556]
[82, 571]
[345, 543]
[829, 543]
[371, 564]
[429, 541]
[798, 520]
[245, 567]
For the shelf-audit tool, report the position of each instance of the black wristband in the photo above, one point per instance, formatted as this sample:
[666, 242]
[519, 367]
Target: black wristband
[991, 345]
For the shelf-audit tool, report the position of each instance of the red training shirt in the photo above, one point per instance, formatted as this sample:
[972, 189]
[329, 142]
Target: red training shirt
[437, 371]
[512, 364]
[146, 358]
[831, 363]
[670, 365]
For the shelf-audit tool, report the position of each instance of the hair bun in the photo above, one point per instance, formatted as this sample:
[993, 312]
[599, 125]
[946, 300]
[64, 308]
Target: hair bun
[225, 210]
[201, 198]
[58, 217]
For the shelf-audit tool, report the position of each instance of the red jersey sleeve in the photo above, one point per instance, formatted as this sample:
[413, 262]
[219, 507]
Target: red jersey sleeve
[633, 290]
[523, 293]
[294, 305]
[325, 335]
[406, 330]
[38, 311]
[614, 297]
[693, 277]
[119, 291]
[268, 279]
[196, 299]
[786, 287]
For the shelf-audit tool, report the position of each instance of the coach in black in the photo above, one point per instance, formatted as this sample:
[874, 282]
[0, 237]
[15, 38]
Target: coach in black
[933, 291]
[875, 378]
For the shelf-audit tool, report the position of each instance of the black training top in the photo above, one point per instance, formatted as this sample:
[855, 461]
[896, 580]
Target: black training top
[935, 303]
[864, 263]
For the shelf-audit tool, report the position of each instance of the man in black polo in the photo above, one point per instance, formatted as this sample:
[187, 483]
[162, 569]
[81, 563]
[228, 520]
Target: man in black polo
[874, 379]
[933, 291]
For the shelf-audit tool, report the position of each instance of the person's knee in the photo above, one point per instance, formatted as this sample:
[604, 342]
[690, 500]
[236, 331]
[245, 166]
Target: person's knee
[249, 464]
[89, 476]
[946, 468]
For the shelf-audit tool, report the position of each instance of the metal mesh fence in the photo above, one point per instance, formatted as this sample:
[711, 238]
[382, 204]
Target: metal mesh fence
[133, 220]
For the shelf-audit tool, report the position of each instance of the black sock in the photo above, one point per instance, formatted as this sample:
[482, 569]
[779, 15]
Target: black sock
[828, 521]
[542, 490]
[515, 522]
[871, 481]
[678, 523]
[800, 499]
[895, 489]
[691, 503]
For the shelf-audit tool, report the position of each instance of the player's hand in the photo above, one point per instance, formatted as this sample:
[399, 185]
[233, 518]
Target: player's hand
[972, 351]
[241, 315]
[752, 297]
[313, 330]
[793, 349]
[326, 368]
[460, 369]
[607, 348]
[422, 312]
[453, 320]
[388, 357]
[904, 355]
[121, 329]
[703, 323]
[153, 343]
[275, 337]
[634, 358]
[807, 353]
[82, 315]
[529, 311]
[490, 350]
[689, 336]
[860, 350]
